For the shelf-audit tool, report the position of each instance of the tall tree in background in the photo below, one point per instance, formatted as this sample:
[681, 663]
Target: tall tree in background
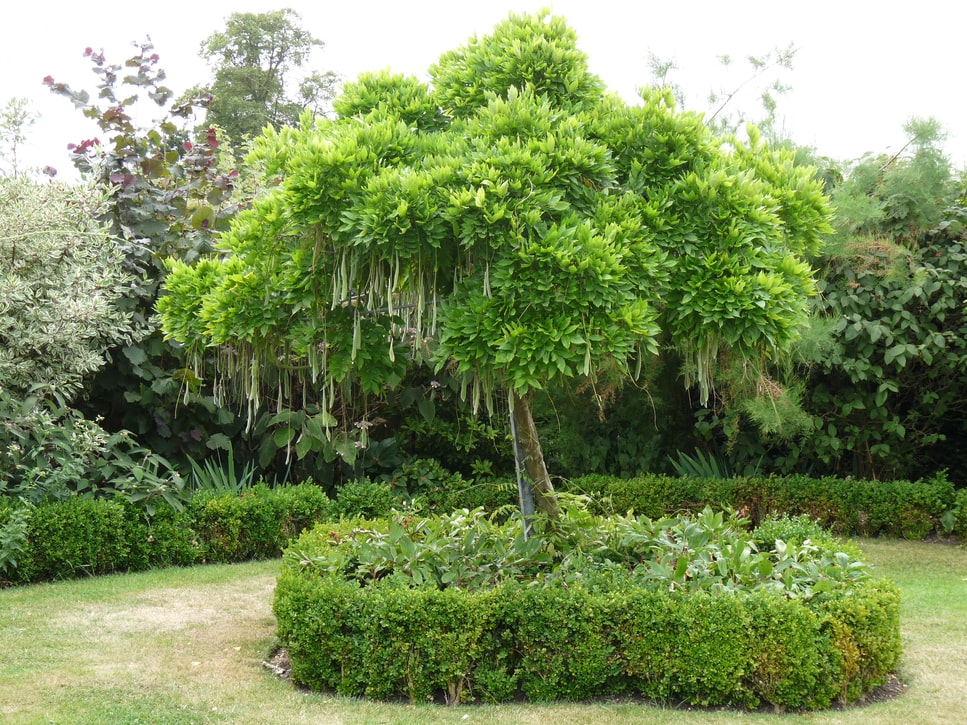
[15, 118]
[254, 63]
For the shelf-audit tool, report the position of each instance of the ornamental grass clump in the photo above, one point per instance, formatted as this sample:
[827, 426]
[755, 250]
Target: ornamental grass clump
[458, 608]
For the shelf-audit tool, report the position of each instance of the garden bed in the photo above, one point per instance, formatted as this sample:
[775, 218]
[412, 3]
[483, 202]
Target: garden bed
[457, 609]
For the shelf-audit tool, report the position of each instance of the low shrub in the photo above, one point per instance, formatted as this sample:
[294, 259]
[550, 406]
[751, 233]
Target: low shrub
[256, 523]
[797, 530]
[459, 607]
[960, 514]
[364, 498]
[427, 485]
[87, 536]
[75, 537]
[848, 507]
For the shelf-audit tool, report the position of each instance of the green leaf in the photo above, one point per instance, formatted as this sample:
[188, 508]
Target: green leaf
[427, 409]
[219, 441]
[135, 355]
[283, 436]
[303, 446]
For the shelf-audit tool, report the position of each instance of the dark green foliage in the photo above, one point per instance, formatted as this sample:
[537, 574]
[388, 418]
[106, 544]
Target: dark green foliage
[426, 484]
[846, 506]
[889, 389]
[619, 430]
[886, 385]
[256, 523]
[536, 619]
[89, 536]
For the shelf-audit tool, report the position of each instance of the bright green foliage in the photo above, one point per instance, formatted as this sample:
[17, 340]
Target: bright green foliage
[533, 51]
[538, 232]
[61, 287]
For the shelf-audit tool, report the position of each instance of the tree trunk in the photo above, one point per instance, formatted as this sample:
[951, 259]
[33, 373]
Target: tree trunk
[530, 458]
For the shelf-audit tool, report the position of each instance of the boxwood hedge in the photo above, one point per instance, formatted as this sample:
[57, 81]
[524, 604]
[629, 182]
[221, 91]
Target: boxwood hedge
[357, 620]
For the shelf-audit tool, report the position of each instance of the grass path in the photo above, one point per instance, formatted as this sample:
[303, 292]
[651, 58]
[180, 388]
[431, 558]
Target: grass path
[185, 646]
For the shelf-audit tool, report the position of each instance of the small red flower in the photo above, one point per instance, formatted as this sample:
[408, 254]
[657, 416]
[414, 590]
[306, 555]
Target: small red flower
[154, 58]
[48, 80]
[187, 146]
[88, 51]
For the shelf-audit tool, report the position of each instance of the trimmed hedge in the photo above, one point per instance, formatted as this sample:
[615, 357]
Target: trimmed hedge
[847, 507]
[82, 536]
[387, 641]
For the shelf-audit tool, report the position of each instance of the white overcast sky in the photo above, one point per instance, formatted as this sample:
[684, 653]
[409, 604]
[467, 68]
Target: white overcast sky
[862, 68]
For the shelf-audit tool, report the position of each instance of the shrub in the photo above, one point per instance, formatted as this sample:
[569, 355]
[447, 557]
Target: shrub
[254, 524]
[960, 514]
[847, 507]
[459, 607]
[799, 529]
[166, 538]
[364, 499]
[14, 522]
[64, 539]
[76, 536]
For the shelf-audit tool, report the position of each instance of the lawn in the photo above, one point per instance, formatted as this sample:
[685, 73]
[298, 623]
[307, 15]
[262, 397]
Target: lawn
[187, 645]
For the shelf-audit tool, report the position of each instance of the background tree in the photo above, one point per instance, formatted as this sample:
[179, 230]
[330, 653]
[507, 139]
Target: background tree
[888, 391]
[61, 287]
[254, 62]
[172, 190]
[15, 119]
[516, 226]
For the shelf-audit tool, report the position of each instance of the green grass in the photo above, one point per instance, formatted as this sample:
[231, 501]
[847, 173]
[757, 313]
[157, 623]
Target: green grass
[185, 646]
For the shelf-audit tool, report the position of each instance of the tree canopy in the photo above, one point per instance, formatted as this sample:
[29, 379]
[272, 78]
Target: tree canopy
[511, 221]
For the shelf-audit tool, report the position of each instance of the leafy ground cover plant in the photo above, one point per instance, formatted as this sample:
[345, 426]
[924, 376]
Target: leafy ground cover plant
[712, 551]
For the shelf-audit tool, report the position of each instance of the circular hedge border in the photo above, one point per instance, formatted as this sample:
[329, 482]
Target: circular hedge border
[558, 642]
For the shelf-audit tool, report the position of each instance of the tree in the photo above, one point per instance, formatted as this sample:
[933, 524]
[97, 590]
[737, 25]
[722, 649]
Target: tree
[516, 225]
[172, 189]
[15, 118]
[253, 61]
[888, 390]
